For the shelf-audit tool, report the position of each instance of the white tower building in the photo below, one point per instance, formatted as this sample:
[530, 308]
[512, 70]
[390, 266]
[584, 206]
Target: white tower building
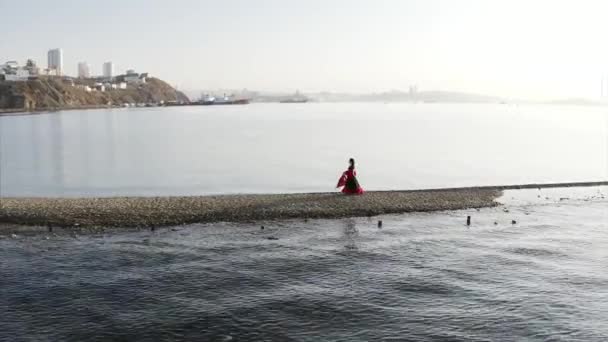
[84, 70]
[55, 61]
[108, 69]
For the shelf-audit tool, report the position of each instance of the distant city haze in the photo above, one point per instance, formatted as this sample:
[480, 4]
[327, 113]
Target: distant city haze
[520, 49]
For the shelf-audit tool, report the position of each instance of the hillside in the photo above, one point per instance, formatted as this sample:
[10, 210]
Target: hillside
[54, 93]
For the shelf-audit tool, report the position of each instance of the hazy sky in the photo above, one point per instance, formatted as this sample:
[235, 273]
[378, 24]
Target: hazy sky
[531, 49]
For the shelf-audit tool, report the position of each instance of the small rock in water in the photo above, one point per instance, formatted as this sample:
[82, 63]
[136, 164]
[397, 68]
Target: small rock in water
[380, 224]
[495, 223]
[513, 222]
[262, 227]
[505, 210]
[272, 238]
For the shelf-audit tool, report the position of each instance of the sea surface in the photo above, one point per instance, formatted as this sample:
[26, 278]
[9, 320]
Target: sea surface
[420, 277]
[278, 148]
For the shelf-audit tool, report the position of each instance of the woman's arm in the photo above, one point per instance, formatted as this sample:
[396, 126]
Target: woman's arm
[342, 180]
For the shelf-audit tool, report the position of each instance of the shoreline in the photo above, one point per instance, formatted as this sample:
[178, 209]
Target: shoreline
[139, 212]
[21, 111]
[150, 212]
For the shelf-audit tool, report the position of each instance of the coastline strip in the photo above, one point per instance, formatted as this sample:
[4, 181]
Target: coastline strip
[522, 186]
[21, 112]
[167, 211]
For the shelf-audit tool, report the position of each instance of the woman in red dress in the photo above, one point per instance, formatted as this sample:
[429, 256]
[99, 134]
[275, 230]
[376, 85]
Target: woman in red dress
[349, 180]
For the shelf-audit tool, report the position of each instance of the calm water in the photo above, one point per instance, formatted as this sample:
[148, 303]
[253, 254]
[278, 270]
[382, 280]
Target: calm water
[421, 277]
[265, 148]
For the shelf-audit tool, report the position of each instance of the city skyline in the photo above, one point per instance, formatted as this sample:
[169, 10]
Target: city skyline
[108, 71]
[55, 66]
[512, 49]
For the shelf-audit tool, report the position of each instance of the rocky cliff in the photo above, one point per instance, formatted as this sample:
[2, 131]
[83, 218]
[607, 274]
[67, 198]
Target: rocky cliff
[56, 93]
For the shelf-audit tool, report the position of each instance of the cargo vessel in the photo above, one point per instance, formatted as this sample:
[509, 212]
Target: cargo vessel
[295, 98]
[300, 100]
[225, 100]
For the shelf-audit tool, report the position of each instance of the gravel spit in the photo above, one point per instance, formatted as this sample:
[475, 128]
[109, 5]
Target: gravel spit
[168, 211]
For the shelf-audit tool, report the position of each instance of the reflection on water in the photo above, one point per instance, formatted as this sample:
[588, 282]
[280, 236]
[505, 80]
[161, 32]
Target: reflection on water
[110, 139]
[85, 150]
[57, 152]
[35, 146]
[266, 148]
[420, 277]
[350, 234]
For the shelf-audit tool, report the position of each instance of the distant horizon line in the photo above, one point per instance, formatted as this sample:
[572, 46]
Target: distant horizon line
[590, 100]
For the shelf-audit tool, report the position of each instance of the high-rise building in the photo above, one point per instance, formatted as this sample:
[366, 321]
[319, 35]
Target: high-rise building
[108, 69]
[84, 71]
[55, 61]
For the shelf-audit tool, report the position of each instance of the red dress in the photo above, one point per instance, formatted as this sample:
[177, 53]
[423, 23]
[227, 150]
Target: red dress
[350, 183]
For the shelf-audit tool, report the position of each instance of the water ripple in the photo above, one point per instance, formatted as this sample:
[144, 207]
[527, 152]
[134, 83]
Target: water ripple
[419, 278]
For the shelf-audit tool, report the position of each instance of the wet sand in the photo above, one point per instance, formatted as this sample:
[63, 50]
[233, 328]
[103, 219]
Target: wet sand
[167, 211]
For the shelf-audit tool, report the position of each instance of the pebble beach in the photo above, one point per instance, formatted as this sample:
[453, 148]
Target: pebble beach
[167, 211]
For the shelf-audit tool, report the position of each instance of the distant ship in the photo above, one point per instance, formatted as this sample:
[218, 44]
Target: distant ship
[225, 100]
[296, 98]
[300, 100]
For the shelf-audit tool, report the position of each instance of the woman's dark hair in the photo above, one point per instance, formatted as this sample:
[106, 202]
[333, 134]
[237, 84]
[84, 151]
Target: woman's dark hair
[351, 161]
